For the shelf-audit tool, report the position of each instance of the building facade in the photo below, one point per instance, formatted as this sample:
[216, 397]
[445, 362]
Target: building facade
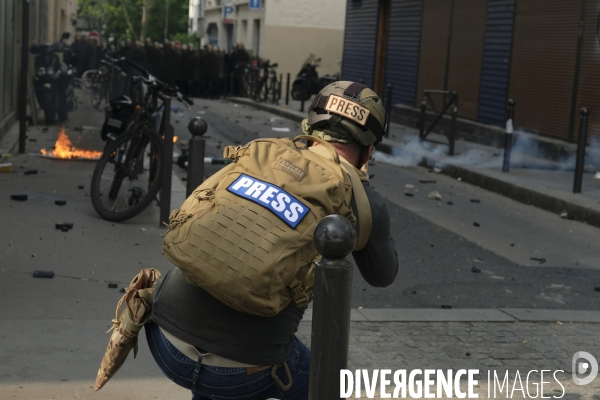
[48, 19]
[282, 31]
[544, 54]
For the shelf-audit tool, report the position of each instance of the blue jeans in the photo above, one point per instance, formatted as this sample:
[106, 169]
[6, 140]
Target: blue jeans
[218, 383]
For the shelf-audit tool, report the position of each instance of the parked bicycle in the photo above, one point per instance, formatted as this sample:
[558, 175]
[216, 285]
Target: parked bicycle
[260, 83]
[127, 177]
[106, 82]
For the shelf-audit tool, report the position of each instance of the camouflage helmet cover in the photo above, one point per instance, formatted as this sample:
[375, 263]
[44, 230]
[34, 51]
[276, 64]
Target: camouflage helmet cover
[346, 107]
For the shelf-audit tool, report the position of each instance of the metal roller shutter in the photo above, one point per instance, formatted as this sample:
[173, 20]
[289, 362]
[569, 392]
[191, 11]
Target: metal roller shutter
[495, 71]
[466, 49]
[543, 64]
[403, 50]
[360, 41]
[589, 76]
[434, 45]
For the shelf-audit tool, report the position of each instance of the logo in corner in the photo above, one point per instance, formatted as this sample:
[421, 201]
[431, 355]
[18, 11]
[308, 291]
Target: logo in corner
[581, 367]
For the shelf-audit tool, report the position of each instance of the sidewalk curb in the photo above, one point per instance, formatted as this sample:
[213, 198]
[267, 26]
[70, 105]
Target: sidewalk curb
[518, 193]
[467, 315]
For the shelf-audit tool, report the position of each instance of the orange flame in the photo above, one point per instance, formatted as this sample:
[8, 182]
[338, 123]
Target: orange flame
[63, 148]
[175, 139]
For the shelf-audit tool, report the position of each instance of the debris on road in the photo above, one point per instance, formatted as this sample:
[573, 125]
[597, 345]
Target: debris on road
[143, 229]
[540, 260]
[112, 285]
[18, 197]
[272, 119]
[597, 175]
[450, 203]
[43, 274]
[475, 201]
[427, 181]
[437, 170]
[409, 186]
[122, 290]
[476, 224]
[65, 226]
[475, 270]
[6, 167]
[435, 195]
[60, 202]
[564, 214]
[597, 289]
[446, 306]
[30, 172]
[281, 129]
[80, 187]
[409, 194]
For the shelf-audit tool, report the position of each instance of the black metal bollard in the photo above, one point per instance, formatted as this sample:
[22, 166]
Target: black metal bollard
[452, 134]
[166, 131]
[196, 148]
[422, 122]
[388, 108]
[581, 145]
[279, 87]
[287, 90]
[334, 238]
[230, 84]
[508, 138]
[302, 106]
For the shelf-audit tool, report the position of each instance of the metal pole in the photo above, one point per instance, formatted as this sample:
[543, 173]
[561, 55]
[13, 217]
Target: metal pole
[287, 90]
[581, 144]
[302, 106]
[166, 19]
[423, 116]
[231, 83]
[197, 144]
[334, 238]
[388, 108]
[279, 87]
[452, 135]
[24, 75]
[508, 138]
[166, 131]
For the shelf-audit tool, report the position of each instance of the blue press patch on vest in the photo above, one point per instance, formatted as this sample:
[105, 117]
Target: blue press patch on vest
[278, 201]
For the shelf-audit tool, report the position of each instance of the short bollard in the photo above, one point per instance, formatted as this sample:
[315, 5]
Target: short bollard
[581, 145]
[197, 144]
[508, 138]
[287, 90]
[388, 108]
[302, 106]
[334, 238]
[422, 120]
[452, 134]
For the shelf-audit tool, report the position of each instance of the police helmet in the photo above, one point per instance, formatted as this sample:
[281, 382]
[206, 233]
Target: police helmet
[349, 111]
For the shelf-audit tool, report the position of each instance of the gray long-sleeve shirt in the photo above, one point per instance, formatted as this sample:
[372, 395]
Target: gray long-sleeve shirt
[194, 316]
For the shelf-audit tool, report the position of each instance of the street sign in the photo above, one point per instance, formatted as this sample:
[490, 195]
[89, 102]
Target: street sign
[254, 4]
[228, 14]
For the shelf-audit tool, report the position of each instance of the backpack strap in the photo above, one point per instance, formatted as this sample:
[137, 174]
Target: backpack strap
[365, 218]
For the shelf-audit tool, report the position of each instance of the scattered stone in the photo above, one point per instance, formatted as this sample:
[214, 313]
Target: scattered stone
[413, 292]
[540, 260]
[475, 270]
[43, 274]
[597, 289]
[122, 290]
[141, 229]
[371, 176]
[183, 178]
[112, 285]
[435, 195]
[475, 201]
[450, 203]
[409, 186]
[33, 140]
[564, 214]
[60, 202]
[427, 181]
[446, 306]
[80, 187]
[65, 226]
[468, 354]
[476, 224]
[597, 175]
[512, 245]
[18, 197]
[408, 194]
[30, 172]
[437, 170]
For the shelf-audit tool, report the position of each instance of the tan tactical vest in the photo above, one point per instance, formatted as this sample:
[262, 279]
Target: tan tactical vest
[245, 235]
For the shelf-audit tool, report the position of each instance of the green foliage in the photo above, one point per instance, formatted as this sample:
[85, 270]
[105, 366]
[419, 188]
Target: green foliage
[108, 16]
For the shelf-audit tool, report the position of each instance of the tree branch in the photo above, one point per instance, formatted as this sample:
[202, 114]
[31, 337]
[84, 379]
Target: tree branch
[127, 19]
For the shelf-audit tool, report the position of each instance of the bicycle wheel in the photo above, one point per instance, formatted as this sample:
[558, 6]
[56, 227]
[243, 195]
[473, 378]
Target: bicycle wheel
[127, 177]
[97, 93]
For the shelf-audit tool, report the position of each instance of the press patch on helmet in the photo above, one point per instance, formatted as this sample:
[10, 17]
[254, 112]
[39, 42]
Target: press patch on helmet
[286, 166]
[285, 206]
[347, 108]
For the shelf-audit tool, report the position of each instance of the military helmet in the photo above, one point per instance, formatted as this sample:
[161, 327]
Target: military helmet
[346, 107]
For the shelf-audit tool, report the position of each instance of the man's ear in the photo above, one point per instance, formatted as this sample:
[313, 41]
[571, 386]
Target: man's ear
[365, 156]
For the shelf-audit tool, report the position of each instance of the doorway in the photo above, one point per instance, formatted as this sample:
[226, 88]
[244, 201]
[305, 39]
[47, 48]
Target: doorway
[381, 51]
